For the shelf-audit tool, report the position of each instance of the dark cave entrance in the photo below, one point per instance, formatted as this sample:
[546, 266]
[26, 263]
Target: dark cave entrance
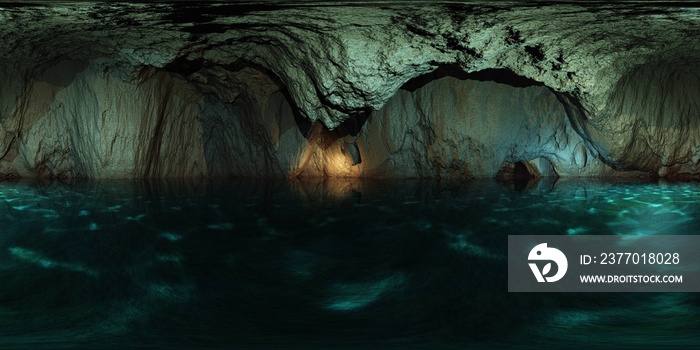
[254, 119]
[526, 174]
[501, 76]
[521, 175]
[494, 107]
[521, 172]
[261, 120]
[518, 171]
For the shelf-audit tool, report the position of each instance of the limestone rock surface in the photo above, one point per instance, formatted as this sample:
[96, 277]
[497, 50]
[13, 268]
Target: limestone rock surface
[188, 89]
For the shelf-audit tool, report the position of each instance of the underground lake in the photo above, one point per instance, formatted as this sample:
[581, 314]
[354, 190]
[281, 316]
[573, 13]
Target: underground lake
[349, 174]
[322, 264]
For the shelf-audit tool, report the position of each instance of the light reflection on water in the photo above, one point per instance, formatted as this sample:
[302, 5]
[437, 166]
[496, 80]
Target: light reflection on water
[321, 264]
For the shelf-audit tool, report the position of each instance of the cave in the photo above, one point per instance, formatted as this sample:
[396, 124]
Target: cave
[273, 174]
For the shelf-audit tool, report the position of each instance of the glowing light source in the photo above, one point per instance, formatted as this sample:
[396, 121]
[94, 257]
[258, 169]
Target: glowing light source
[325, 155]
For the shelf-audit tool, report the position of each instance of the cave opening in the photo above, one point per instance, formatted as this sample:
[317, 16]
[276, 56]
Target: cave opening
[324, 152]
[252, 125]
[497, 75]
[522, 172]
[524, 175]
[391, 229]
[518, 171]
[331, 153]
[452, 124]
[452, 127]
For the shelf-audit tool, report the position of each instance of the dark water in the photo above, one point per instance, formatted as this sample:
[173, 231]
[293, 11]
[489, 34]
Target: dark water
[332, 264]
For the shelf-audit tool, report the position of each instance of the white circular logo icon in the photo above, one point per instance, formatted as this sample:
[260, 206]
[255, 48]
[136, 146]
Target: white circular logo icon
[543, 253]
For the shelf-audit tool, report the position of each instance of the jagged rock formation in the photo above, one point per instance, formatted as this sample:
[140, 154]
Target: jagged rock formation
[201, 90]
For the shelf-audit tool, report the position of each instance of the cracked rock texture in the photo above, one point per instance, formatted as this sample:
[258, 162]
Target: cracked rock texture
[201, 90]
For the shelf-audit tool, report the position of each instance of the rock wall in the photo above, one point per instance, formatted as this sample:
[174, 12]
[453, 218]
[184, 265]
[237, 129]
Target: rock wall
[92, 124]
[221, 90]
[155, 124]
[462, 128]
[651, 120]
[83, 120]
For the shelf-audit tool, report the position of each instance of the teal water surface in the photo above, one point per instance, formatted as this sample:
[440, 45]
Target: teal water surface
[321, 264]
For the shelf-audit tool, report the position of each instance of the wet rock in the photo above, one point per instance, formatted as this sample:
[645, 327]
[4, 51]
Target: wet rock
[201, 90]
[466, 128]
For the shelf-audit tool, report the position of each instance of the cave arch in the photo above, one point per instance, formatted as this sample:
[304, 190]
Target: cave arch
[539, 167]
[525, 174]
[445, 124]
[453, 124]
[497, 75]
[248, 124]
